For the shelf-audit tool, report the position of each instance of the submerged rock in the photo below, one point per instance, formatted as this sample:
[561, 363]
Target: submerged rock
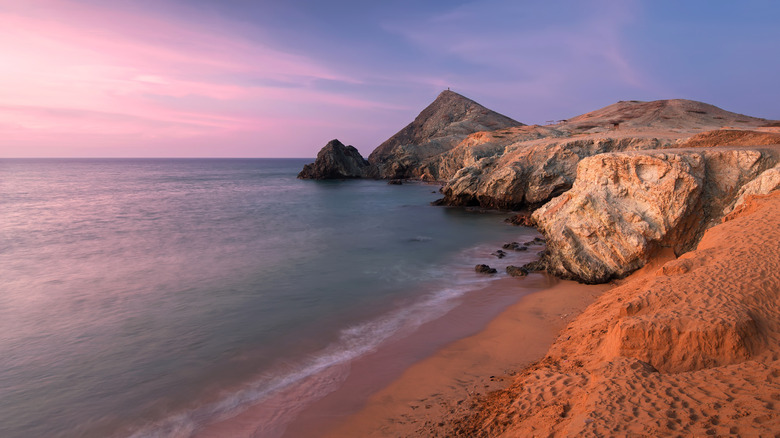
[515, 246]
[336, 161]
[485, 269]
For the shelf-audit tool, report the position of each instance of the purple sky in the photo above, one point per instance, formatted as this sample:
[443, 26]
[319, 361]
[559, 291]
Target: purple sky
[243, 78]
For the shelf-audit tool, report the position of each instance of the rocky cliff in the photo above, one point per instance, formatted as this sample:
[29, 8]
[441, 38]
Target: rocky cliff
[527, 172]
[336, 161]
[623, 207]
[614, 185]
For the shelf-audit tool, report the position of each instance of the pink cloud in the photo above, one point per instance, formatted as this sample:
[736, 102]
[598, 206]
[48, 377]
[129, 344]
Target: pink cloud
[71, 69]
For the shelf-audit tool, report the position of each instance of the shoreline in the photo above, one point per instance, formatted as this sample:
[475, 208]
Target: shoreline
[450, 379]
[368, 374]
[352, 381]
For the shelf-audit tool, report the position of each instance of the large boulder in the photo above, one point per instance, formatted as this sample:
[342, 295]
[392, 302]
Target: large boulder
[624, 206]
[336, 161]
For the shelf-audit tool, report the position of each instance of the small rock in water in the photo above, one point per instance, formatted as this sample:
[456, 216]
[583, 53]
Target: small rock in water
[500, 254]
[516, 271]
[514, 246]
[521, 219]
[396, 182]
[484, 269]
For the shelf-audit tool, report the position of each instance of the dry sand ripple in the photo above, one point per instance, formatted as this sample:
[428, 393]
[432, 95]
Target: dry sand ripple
[690, 348]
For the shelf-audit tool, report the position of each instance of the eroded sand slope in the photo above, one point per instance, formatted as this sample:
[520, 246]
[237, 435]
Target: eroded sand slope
[692, 348]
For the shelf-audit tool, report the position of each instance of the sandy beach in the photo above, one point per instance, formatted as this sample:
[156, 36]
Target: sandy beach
[449, 382]
[685, 345]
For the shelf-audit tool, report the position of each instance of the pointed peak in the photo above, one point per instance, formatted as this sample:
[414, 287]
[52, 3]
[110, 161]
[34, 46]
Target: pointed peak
[451, 95]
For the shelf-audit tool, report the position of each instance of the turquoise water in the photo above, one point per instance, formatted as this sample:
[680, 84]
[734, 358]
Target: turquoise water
[149, 297]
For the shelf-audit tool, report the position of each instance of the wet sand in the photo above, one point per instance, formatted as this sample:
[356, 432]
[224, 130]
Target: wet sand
[448, 381]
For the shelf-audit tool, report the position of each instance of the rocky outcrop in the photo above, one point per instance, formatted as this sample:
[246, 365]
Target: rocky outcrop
[624, 206]
[482, 145]
[336, 161]
[485, 269]
[535, 164]
[437, 129]
[768, 181]
[529, 174]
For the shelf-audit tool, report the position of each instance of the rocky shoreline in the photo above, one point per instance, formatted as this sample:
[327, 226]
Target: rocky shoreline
[608, 188]
[687, 345]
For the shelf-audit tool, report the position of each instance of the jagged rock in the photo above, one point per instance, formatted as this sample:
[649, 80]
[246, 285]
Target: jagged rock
[516, 271]
[481, 145]
[534, 266]
[336, 161]
[623, 206]
[515, 246]
[527, 172]
[485, 269]
[521, 220]
[768, 181]
[500, 254]
[437, 129]
[530, 174]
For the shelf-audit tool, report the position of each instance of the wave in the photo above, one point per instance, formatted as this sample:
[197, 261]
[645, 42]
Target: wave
[284, 395]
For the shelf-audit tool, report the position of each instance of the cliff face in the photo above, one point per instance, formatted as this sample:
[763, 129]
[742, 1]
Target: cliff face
[437, 129]
[336, 161]
[527, 172]
[625, 206]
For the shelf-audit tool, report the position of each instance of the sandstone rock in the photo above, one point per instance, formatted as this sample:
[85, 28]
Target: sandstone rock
[336, 161]
[768, 181]
[530, 174]
[527, 171]
[623, 206]
[485, 269]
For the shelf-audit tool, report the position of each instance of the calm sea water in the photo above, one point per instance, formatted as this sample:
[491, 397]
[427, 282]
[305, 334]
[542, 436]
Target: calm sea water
[150, 297]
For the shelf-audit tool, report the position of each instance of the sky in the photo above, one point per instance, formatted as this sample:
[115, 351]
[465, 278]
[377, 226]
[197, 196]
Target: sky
[262, 78]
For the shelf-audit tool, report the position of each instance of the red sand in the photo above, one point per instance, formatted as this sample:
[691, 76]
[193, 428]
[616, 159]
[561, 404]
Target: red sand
[687, 346]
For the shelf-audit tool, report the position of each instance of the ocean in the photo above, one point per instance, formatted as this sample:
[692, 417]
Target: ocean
[151, 297]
